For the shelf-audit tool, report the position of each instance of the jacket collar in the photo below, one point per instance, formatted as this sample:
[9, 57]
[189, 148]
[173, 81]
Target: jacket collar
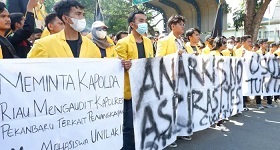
[171, 35]
[61, 35]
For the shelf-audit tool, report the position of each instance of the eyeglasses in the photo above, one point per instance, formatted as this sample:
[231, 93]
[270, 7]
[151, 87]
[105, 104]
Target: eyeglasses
[100, 29]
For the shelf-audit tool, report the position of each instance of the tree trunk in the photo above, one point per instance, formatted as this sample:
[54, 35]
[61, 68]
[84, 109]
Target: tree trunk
[253, 19]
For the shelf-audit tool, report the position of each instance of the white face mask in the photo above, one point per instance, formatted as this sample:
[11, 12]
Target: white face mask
[230, 46]
[78, 24]
[101, 34]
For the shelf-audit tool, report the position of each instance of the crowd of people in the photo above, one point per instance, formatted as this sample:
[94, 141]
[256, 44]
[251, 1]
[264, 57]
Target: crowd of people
[65, 36]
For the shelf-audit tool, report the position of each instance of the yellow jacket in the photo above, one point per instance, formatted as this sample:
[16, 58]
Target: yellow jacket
[166, 45]
[127, 49]
[110, 51]
[55, 46]
[239, 52]
[227, 52]
[277, 52]
[261, 52]
[215, 53]
[206, 50]
[45, 33]
[190, 49]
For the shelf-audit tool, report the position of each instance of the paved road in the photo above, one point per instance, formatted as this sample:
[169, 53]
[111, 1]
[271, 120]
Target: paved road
[252, 130]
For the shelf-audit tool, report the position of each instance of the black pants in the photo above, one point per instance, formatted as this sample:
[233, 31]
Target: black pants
[128, 130]
[269, 99]
[244, 101]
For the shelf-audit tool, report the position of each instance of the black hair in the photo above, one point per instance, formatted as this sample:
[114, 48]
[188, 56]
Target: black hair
[49, 19]
[238, 39]
[231, 38]
[208, 38]
[257, 45]
[175, 19]
[244, 38]
[37, 30]
[261, 41]
[274, 44]
[151, 37]
[218, 42]
[2, 7]
[131, 17]
[15, 18]
[118, 35]
[63, 7]
[191, 31]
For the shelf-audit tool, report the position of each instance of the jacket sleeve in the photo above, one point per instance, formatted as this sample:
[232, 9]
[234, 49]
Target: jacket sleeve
[115, 53]
[96, 50]
[161, 48]
[121, 49]
[1, 54]
[25, 32]
[38, 51]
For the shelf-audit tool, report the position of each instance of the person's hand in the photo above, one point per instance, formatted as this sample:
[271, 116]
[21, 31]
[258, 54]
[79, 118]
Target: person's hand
[126, 64]
[31, 5]
[180, 52]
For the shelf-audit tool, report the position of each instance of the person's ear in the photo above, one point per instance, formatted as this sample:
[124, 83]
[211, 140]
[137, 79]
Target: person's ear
[131, 24]
[17, 25]
[66, 19]
[50, 26]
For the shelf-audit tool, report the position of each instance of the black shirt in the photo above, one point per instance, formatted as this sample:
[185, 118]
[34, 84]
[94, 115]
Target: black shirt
[74, 47]
[194, 48]
[141, 50]
[103, 52]
[8, 51]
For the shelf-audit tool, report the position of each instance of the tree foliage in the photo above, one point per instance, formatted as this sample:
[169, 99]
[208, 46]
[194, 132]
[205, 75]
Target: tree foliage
[250, 16]
[115, 13]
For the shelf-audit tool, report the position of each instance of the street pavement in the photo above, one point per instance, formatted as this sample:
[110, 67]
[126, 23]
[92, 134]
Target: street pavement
[252, 130]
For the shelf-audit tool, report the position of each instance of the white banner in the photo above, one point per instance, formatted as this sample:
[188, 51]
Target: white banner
[261, 75]
[177, 96]
[49, 104]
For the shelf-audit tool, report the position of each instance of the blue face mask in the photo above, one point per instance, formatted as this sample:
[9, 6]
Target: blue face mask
[142, 28]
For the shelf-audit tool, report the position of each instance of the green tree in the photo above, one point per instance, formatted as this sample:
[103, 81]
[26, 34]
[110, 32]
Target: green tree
[250, 16]
[49, 5]
[115, 13]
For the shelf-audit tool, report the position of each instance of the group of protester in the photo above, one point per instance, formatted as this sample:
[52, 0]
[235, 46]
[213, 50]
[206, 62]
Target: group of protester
[65, 37]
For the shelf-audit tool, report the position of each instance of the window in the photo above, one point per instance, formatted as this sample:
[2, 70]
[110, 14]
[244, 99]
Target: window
[260, 34]
[265, 34]
[271, 33]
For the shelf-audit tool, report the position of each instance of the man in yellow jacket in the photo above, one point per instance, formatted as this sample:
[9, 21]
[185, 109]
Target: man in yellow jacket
[134, 46]
[230, 48]
[68, 43]
[173, 42]
[52, 25]
[246, 45]
[99, 37]
[277, 51]
[193, 36]
[246, 41]
[263, 46]
[209, 43]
